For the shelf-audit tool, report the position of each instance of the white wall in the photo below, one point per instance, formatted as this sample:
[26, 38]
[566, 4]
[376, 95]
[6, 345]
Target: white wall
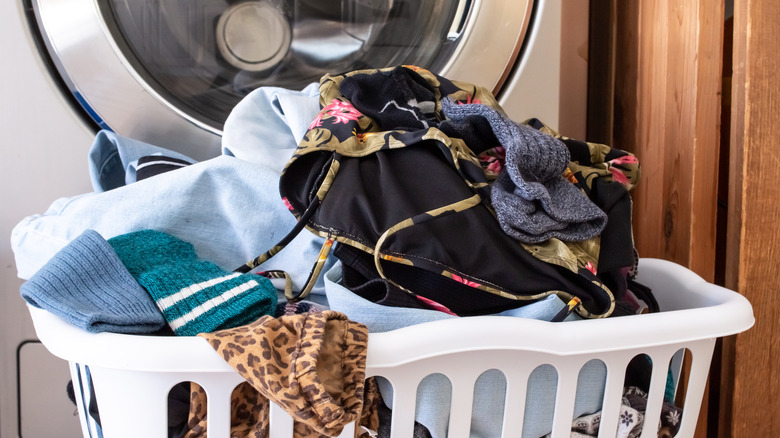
[43, 156]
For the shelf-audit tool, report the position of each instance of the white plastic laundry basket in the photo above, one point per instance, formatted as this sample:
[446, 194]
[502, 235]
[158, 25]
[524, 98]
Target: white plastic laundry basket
[133, 375]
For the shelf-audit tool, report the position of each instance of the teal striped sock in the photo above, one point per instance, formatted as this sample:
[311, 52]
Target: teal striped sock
[195, 296]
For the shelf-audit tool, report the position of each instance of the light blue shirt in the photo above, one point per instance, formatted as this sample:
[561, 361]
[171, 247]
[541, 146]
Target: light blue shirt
[113, 159]
[267, 125]
[229, 209]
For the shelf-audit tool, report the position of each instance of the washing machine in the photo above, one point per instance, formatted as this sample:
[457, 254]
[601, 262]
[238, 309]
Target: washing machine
[168, 72]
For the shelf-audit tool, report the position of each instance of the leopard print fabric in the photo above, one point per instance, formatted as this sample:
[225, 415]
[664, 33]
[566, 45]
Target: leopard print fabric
[311, 364]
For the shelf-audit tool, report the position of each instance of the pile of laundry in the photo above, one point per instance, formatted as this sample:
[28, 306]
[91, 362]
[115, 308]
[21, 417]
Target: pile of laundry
[155, 248]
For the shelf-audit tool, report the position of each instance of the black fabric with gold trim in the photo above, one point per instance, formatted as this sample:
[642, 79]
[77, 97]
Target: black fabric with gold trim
[383, 170]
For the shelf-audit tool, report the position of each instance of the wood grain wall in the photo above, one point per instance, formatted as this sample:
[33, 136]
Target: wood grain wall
[749, 390]
[667, 83]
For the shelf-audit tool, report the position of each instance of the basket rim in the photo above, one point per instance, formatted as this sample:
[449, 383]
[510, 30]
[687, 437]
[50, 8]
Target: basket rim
[692, 310]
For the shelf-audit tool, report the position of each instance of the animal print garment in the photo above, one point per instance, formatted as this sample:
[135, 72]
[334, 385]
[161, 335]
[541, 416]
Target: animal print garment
[311, 364]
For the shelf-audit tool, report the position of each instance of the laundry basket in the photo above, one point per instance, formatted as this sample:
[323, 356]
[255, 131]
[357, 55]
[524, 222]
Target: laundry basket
[133, 375]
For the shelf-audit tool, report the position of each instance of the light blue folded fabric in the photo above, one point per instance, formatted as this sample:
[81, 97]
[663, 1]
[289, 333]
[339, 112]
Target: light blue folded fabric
[229, 209]
[113, 159]
[375, 317]
[380, 318]
[266, 126]
[434, 392]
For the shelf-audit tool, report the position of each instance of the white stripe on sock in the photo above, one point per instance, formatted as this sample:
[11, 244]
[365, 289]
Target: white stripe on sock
[184, 293]
[210, 304]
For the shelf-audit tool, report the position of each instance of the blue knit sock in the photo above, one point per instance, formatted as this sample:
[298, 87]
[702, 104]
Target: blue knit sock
[88, 286]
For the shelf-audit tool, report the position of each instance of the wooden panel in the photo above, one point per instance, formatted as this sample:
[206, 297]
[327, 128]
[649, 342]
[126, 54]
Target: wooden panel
[601, 70]
[708, 79]
[667, 112]
[749, 391]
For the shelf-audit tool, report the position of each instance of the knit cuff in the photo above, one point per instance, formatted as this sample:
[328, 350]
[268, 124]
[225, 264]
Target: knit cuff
[200, 297]
[195, 296]
[87, 285]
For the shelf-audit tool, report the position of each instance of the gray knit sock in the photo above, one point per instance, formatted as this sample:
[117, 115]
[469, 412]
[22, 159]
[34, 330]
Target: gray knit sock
[532, 199]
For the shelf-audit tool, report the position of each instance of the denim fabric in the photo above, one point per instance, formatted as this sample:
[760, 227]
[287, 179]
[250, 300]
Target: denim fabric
[434, 394]
[229, 209]
[113, 159]
[266, 126]
[376, 317]
[380, 318]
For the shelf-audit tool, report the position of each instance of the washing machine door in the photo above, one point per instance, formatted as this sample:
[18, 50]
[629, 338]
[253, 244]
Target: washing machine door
[169, 71]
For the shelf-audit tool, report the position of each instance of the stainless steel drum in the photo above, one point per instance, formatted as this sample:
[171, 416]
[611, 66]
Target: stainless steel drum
[170, 71]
